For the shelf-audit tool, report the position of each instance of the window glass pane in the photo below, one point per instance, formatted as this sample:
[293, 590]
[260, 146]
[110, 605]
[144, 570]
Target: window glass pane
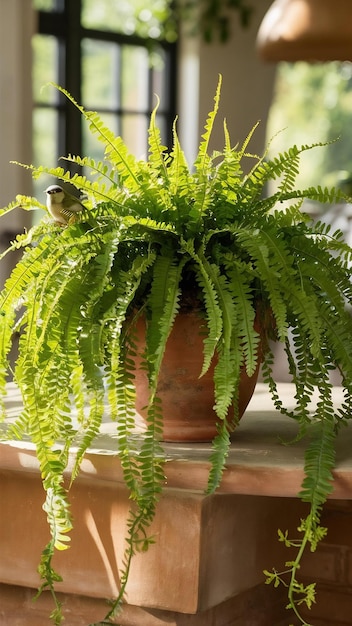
[161, 123]
[134, 79]
[160, 76]
[48, 5]
[134, 130]
[144, 18]
[100, 63]
[45, 68]
[45, 131]
[45, 128]
[90, 145]
[118, 78]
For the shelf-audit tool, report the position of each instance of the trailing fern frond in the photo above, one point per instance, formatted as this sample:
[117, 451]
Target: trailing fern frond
[212, 311]
[218, 457]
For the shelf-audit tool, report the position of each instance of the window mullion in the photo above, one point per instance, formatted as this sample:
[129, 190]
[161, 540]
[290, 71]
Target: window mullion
[73, 71]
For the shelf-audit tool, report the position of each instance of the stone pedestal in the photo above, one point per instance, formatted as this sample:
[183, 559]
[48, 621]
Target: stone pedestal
[206, 566]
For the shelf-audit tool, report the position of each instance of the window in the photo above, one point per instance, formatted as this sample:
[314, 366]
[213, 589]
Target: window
[83, 46]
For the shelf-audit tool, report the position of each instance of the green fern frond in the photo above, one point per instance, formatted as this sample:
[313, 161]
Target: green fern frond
[202, 166]
[23, 240]
[157, 151]
[220, 450]
[65, 93]
[202, 160]
[115, 149]
[337, 339]
[94, 420]
[152, 459]
[27, 203]
[323, 195]
[116, 152]
[245, 316]
[180, 182]
[243, 149]
[125, 398]
[146, 224]
[290, 174]
[274, 271]
[178, 165]
[163, 305]
[226, 381]
[59, 517]
[212, 311]
[320, 459]
[79, 181]
[97, 168]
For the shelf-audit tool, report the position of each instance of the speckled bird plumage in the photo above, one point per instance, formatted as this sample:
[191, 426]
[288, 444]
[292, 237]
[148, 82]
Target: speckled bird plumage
[61, 205]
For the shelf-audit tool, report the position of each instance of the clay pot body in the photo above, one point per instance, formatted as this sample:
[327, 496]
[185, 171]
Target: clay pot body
[187, 400]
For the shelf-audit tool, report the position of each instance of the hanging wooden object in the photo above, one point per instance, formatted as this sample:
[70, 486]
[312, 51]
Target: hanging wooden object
[306, 30]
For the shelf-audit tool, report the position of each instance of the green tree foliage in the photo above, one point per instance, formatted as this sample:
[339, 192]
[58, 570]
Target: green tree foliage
[313, 102]
[156, 19]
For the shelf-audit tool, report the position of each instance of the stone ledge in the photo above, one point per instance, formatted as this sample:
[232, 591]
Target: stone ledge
[261, 606]
[258, 463]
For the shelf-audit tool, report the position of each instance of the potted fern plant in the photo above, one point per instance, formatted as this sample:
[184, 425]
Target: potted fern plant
[154, 238]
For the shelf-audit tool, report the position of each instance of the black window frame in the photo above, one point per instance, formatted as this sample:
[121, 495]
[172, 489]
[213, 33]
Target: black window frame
[64, 23]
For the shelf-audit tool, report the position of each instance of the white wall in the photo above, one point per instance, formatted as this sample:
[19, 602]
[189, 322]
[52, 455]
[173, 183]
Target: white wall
[246, 90]
[16, 27]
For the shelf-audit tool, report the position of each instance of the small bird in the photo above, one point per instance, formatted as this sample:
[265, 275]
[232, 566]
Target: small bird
[61, 205]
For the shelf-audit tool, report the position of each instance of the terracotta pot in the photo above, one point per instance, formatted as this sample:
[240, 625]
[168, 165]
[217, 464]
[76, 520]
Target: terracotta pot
[187, 400]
